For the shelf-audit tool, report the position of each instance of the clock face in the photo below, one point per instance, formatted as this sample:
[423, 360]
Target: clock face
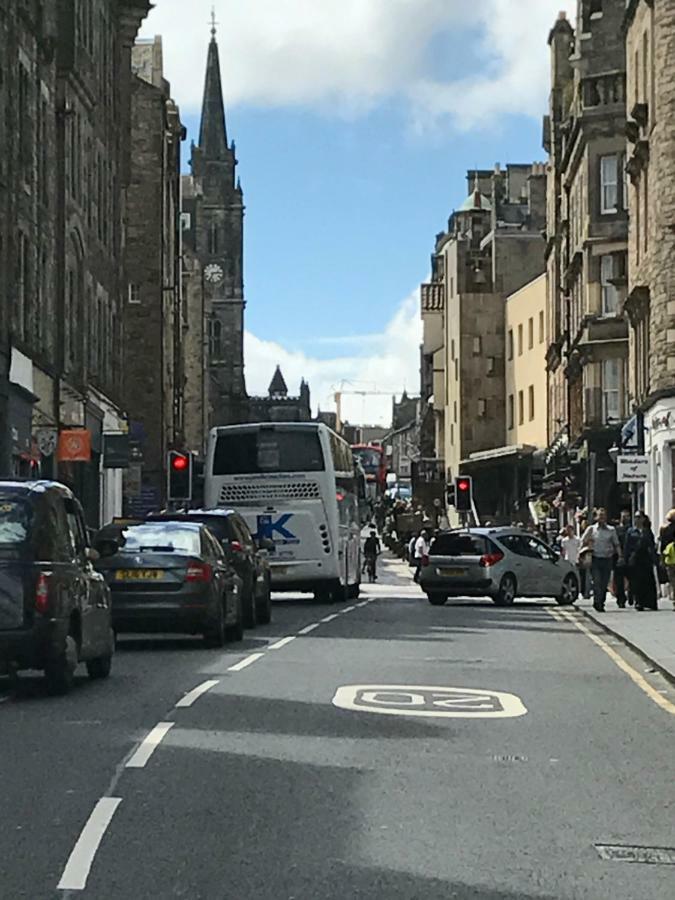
[213, 273]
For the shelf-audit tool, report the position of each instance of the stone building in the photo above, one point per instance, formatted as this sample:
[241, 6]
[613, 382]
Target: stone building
[65, 77]
[492, 247]
[278, 405]
[153, 316]
[587, 229]
[213, 210]
[649, 28]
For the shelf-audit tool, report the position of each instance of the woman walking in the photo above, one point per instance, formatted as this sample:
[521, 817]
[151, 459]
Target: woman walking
[667, 551]
[640, 557]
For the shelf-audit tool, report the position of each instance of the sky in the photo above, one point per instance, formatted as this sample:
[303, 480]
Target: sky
[355, 122]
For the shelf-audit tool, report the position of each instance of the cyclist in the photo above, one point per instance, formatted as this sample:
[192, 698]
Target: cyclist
[371, 550]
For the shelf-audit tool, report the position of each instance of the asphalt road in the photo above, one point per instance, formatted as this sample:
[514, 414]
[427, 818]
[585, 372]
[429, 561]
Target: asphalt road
[275, 784]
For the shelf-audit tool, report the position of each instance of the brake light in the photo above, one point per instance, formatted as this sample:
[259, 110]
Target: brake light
[198, 571]
[236, 546]
[491, 559]
[42, 594]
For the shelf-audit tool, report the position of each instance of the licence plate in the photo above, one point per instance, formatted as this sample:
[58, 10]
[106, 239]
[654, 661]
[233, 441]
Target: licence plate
[138, 574]
[451, 573]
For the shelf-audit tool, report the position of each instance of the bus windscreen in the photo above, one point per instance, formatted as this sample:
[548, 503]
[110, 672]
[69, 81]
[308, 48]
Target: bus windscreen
[274, 450]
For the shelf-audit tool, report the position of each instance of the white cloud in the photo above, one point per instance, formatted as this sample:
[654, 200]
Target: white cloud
[347, 56]
[391, 366]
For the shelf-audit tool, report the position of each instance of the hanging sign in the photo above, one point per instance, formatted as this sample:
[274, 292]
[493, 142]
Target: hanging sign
[74, 445]
[633, 469]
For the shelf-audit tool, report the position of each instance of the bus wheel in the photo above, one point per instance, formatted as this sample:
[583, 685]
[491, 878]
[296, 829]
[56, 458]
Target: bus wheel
[339, 593]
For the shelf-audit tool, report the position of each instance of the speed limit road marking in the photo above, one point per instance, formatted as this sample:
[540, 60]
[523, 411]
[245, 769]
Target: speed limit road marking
[430, 701]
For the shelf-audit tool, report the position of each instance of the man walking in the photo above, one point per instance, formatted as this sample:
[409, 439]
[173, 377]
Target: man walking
[603, 542]
[421, 553]
[619, 563]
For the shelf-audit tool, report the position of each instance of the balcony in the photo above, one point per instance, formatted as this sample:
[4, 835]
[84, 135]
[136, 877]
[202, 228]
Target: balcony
[433, 297]
[602, 330]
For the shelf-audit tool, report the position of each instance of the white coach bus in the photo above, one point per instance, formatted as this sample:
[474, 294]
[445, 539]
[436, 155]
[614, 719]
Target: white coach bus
[295, 485]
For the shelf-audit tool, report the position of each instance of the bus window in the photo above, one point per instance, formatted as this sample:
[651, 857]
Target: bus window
[276, 450]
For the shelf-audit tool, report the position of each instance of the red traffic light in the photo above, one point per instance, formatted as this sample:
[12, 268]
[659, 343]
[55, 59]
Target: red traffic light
[179, 463]
[463, 484]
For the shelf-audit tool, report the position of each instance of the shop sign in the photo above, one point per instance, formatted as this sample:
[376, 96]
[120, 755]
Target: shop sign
[115, 451]
[633, 469]
[46, 440]
[74, 445]
[661, 422]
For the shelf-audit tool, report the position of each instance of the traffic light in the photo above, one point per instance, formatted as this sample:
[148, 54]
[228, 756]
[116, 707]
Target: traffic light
[179, 475]
[450, 494]
[464, 493]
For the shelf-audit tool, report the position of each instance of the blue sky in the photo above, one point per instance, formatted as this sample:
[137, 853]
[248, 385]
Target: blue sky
[355, 123]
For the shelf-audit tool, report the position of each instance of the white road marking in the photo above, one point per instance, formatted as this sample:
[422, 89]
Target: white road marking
[282, 643]
[139, 759]
[76, 872]
[330, 618]
[309, 628]
[196, 693]
[430, 701]
[247, 661]
[347, 609]
[363, 603]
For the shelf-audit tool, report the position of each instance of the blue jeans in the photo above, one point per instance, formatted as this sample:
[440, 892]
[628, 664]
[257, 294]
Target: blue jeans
[601, 570]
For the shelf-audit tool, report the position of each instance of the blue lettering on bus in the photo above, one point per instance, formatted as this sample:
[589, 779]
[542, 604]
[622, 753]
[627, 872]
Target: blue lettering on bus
[268, 528]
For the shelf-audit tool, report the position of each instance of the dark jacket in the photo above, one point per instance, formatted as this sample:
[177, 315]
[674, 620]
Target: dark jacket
[639, 547]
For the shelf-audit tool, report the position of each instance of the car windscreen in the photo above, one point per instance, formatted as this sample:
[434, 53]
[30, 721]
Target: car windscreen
[458, 545]
[15, 522]
[164, 537]
[274, 450]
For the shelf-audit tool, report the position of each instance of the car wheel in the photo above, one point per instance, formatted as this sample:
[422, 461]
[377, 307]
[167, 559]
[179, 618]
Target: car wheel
[569, 591]
[214, 638]
[339, 593]
[265, 608]
[236, 632]
[322, 596]
[354, 590]
[60, 671]
[99, 667]
[507, 591]
[437, 599]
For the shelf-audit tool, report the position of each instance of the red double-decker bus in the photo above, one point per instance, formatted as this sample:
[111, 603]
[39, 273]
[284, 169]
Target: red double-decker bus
[372, 458]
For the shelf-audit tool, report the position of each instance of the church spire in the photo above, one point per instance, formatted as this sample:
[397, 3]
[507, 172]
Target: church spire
[212, 130]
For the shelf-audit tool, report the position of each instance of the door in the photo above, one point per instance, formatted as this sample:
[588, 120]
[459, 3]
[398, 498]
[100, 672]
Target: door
[214, 555]
[84, 583]
[519, 561]
[543, 572]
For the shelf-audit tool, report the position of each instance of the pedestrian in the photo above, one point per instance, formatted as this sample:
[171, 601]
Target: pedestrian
[411, 548]
[667, 551]
[570, 545]
[421, 553]
[603, 543]
[641, 559]
[620, 563]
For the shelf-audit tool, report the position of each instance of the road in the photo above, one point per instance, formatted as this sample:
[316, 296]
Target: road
[264, 787]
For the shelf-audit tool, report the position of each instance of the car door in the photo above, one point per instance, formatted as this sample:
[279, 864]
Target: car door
[542, 575]
[213, 554]
[81, 591]
[519, 561]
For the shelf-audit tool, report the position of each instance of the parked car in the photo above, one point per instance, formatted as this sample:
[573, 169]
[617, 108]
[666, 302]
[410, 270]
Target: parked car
[55, 608]
[501, 563]
[171, 577]
[248, 557]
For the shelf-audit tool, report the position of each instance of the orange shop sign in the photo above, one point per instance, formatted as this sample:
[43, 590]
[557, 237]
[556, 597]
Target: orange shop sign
[74, 445]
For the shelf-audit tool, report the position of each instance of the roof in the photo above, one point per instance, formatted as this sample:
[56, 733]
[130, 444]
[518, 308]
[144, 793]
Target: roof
[278, 383]
[476, 201]
[212, 129]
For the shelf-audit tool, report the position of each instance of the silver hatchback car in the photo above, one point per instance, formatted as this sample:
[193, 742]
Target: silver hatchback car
[501, 563]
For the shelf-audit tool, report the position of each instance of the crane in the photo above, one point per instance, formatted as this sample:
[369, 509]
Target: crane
[341, 392]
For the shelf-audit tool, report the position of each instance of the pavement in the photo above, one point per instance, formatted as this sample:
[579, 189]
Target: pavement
[652, 634]
[380, 749]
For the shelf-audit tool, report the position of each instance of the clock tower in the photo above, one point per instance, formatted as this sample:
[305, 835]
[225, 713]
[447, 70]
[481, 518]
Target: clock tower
[215, 230]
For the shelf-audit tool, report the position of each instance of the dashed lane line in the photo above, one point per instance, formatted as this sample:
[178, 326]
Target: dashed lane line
[244, 663]
[76, 872]
[620, 662]
[327, 619]
[282, 642]
[308, 628]
[347, 609]
[139, 759]
[196, 693]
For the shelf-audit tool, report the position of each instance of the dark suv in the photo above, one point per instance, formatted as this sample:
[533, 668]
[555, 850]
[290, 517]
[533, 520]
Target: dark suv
[54, 607]
[248, 558]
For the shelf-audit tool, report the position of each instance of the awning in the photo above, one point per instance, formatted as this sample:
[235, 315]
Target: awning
[512, 453]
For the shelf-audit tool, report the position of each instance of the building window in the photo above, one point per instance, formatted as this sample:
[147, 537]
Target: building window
[455, 410]
[482, 408]
[541, 327]
[134, 293]
[611, 390]
[452, 435]
[452, 350]
[491, 365]
[477, 346]
[530, 402]
[638, 222]
[645, 210]
[610, 295]
[520, 340]
[185, 221]
[213, 239]
[456, 370]
[521, 408]
[609, 184]
[510, 412]
[530, 333]
[510, 343]
[216, 340]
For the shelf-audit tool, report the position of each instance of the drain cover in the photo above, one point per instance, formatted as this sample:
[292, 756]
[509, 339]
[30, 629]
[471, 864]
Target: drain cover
[657, 856]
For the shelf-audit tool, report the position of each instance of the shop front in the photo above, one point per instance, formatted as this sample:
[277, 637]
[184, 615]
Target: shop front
[659, 491]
